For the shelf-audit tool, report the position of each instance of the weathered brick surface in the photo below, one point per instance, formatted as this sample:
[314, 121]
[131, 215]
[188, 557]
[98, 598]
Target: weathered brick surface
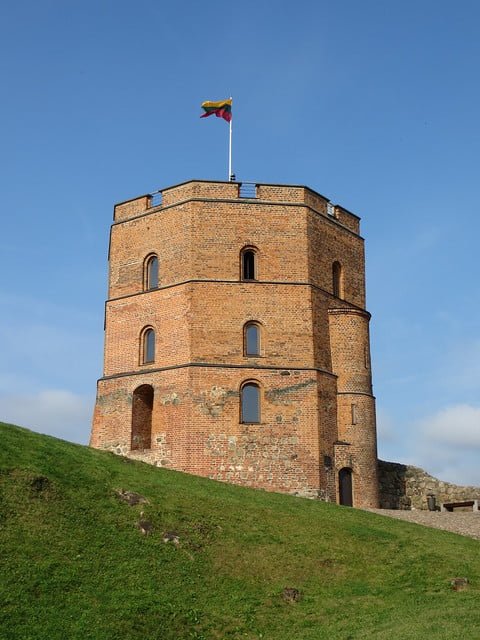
[313, 363]
[349, 339]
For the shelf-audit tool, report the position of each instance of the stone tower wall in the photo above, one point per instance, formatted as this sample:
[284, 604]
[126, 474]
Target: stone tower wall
[407, 487]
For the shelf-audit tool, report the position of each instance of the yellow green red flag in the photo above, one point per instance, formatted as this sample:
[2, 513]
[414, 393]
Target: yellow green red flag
[222, 109]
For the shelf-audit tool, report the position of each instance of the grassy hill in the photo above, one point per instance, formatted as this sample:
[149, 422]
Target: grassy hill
[74, 563]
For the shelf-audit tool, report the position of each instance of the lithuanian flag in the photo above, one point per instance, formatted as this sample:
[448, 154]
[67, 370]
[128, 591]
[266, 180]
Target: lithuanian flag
[222, 109]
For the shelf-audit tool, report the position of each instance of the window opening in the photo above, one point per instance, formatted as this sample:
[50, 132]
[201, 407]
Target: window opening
[354, 413]
[151, 280]
[252, 339]
[250, 402]
[156, 199]
[337, 278]
[248, 265]
[247, 190]
[149, 346]
[366, 353]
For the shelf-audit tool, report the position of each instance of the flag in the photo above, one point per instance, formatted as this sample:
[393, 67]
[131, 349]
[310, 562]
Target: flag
[222, 109]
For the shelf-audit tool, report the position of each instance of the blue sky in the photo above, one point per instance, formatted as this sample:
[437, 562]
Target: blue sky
[374, 104]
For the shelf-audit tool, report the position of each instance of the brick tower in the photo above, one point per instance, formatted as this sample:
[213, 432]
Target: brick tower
[236, 340]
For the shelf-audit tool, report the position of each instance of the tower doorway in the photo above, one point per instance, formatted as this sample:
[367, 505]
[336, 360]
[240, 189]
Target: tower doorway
[345, 487]
[142, 408]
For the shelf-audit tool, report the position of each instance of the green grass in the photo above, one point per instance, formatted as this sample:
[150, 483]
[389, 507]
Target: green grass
[73, 563]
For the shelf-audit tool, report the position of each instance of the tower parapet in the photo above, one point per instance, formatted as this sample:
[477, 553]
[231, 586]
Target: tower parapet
[202, 189]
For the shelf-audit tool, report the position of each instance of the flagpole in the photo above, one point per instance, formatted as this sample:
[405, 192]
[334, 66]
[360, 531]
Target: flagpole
[230, 175]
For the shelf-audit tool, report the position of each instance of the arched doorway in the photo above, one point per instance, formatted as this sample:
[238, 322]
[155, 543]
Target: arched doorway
[142, 407]
[345, 487]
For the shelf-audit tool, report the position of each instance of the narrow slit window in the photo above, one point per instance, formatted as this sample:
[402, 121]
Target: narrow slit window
[149, 346]
[248, 265]
[366, 353]
[250, 403]
[337, 277]
[252, 339]
[354, 413]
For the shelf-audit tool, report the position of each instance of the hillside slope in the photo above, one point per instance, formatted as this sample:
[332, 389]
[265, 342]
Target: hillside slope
[75, 564]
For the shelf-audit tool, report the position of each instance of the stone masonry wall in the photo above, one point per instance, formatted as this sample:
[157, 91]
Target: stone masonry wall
[407, 487]
[196, 428]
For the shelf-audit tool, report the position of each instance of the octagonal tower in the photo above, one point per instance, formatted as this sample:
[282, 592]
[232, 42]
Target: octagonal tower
[236, 340]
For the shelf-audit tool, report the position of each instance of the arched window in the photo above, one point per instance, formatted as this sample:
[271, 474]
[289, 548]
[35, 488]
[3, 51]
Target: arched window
[337, 279]
[248, 264]
[251, 339]
[250, 402]
[148, 346]
[142, 408]
[151, 273]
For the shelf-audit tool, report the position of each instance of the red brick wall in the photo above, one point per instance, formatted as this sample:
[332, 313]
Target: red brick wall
[196, 425]
[349, 341]
[198, 314]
